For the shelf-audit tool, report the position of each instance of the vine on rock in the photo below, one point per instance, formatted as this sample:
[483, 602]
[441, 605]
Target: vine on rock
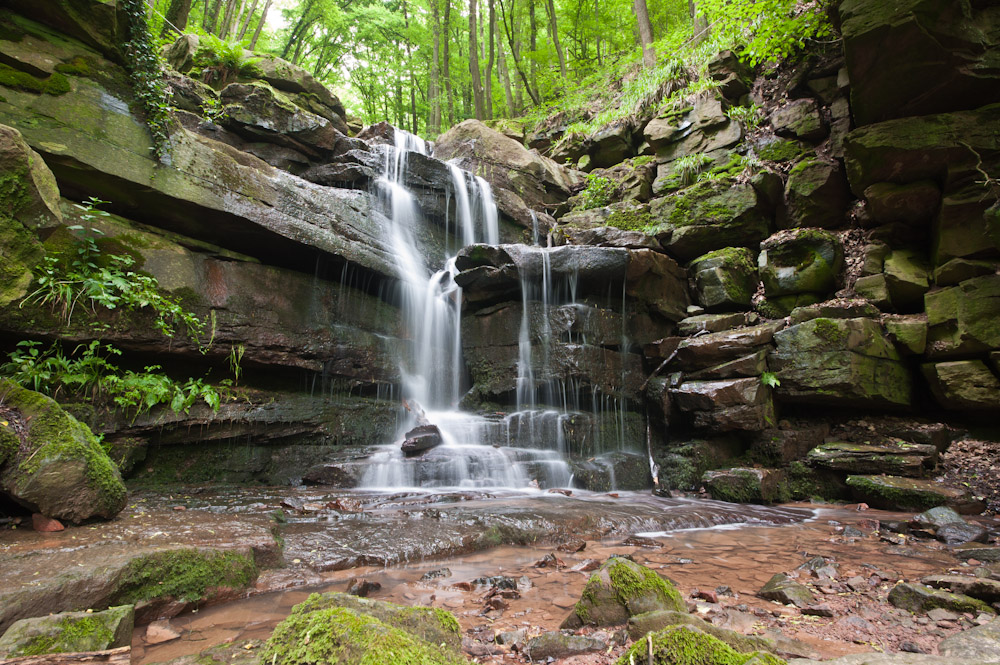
[144, 67]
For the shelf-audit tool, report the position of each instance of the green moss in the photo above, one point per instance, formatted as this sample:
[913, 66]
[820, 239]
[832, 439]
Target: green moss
[642, 160]
[56, 84]
[781, 150]
[684, 645]
[738, 486]
[78, 66]
[630, 582]
[184, 574]
[829, 331]
[341, 636]
[886, 495]
[630, 219]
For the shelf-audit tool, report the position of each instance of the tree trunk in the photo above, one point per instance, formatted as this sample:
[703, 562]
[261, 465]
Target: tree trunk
[554, 29]
[505, 77]
[211, 17]
[477, 82]
[532, 46]
[597, 23]
[176, 17]
[491, 61]
[227, 19]
[245, 25]
[448, 95]
[645, 33]
[263, 17]
[433, 90]
[699, 23]
[509, 29]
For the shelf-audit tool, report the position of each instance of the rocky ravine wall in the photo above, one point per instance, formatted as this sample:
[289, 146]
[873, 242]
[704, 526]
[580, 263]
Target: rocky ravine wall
[262, 219]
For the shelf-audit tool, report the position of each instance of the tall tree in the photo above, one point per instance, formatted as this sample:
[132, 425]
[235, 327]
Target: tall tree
[490, 62]
[645, 33]
[504, 76]
[509, 29]
[176, 18]
[554, 32]
[448, 94]
[433, 91]
[260, 25]
[477, 82]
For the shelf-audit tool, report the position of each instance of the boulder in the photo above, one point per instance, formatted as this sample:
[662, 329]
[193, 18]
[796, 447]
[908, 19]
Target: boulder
[707, 216]
[874, 289]
[190, 95]
[618, 225]
[621, 589]
[980, 644]
[341, 634]
[895, 493]
[704, 128]
[966, 385]
[686, 645]
[725, 279]
[727, 404]
[783, 446]
[907, 279]
[982, 588]
[656, 281]
[611, 144]
[69, 632]
[892, 51]
[957, 271]
[908, 332]
[260, 113]
[506, 164]
[816, 195]
[894, 458]
[978, 552]
[59, 469]
[649, 622]
[557, 645]
[421, 439]
[840, 362]
[715, 348]
[937, 517]
[959, 533]
[964, 319]
[710, 323]
[919, 598]
[744, 485]
[800, 261]
[799, 119]
[913, 203]
[787, 591]
[29, 198]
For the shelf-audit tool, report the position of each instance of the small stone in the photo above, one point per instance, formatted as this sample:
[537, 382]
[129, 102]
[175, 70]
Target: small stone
[45, 524]
[823, 610]
[573, 546]
[910, 647]
[857, 583]
[180, 508]
[939, 614]
[159, 632]
[362, 587]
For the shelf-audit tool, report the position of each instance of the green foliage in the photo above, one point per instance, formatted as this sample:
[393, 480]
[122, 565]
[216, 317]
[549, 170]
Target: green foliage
[92, 279]
[688, 167]
[767, 30]
[185, 574]
[144, 68]
[599, 192]
[226, 61]
[770, 380]
[89, 373]
[749, 117]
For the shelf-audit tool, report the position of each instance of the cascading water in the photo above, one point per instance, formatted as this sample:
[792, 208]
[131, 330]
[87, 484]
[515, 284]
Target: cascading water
[431, 377]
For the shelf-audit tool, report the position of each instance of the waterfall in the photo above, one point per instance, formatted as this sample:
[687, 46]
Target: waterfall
[471, 453]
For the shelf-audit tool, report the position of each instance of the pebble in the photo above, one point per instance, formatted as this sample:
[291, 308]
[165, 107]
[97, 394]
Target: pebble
[45, 524]
[159, 632]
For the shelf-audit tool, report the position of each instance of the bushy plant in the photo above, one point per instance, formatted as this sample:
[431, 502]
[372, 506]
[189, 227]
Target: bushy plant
[598, 193]
[767, 30]
[688, 167]
[749, 117]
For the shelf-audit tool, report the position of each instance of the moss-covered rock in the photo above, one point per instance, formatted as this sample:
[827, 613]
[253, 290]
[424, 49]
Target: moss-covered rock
[842, 362]
[745, 485]
[649, 622]
[895, 458]
[966, 385]
[799, 119]
[964, 319]
[919, 598]
[783, 589]
[800, 261]
[725, 279]
[709, 215]
[69, 632]
[727, 404]
[686, 645]
[895, 493]
[342, 636]
[184, 574]
[908, 332]
[913, 203]
[907, 278]
[620, 589]
[60, 469]
[816, 195]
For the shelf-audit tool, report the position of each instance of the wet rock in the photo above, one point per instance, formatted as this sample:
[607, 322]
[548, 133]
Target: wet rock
[744, 485]
[727, 404]
[988, 554]
[686, 645]
[421, 439]
[707, 216]
[919, 598]
[573, 546]
[800, 261]
[896, 493]
[716, 348]
[641, 624]
[781, 446]
[658, 282]
[966, 385]
[840, 361]
[785, 590]
[44, 524]
[937, 517]
[361, 587]
[816, 195]
[894, 458]
[958, 533]
[753, 364]
[59, 469]
[725, 279]
[612, 471]
[709, 323]
[335, 475]
[980, 644]
[69, 632]
[892, 50]
[561, 645]
[964, 319]
[620, 589]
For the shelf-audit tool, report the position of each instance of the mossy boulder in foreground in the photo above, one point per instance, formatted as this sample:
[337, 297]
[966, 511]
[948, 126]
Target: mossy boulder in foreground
[69, 632]
[59, 469]
[685, 645]
[319, 633]
[621, 589]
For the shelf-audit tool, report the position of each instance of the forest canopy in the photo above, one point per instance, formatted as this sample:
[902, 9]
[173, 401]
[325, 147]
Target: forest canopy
[408, 61]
